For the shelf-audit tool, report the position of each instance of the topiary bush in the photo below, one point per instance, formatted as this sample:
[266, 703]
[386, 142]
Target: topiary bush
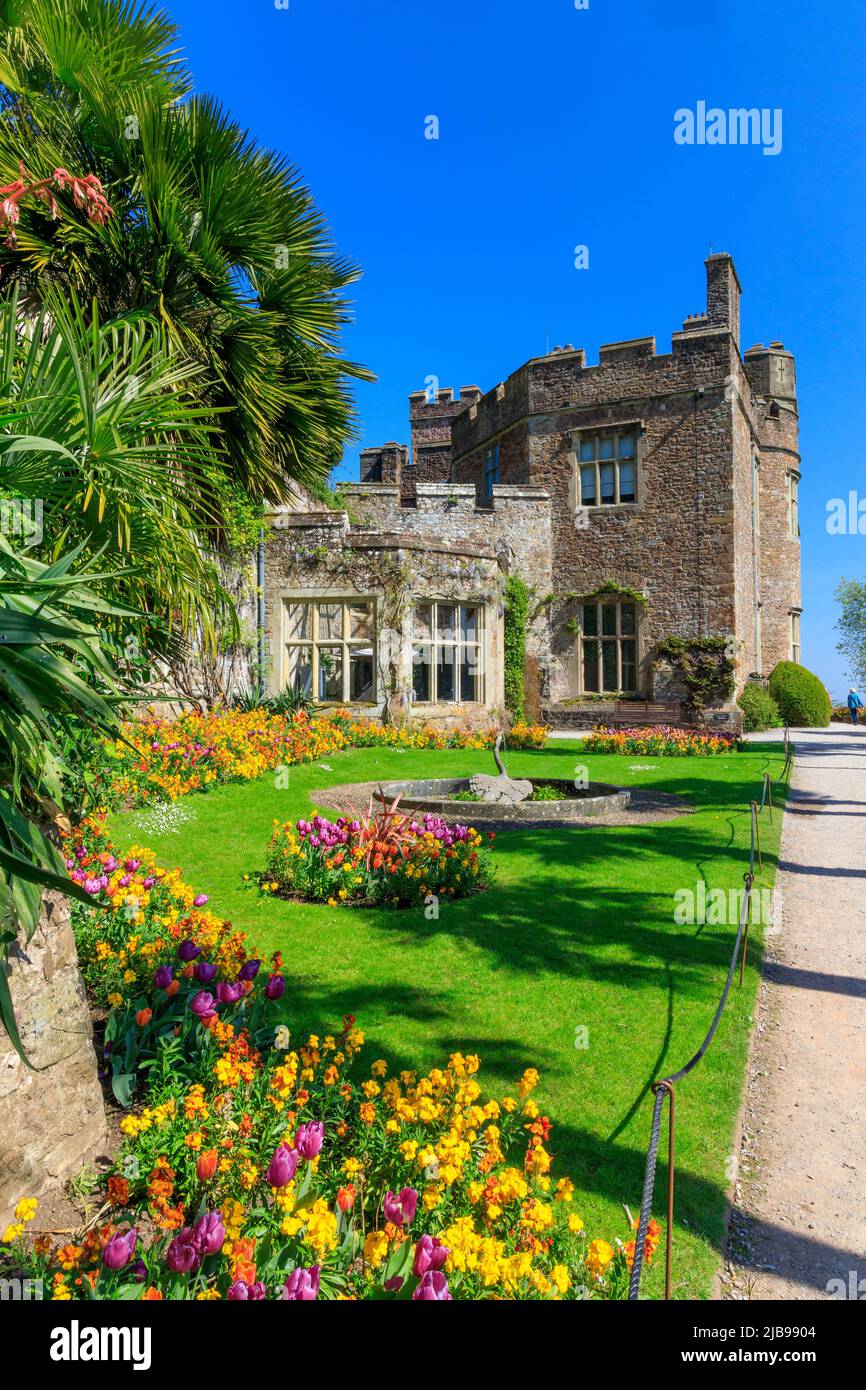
[760, 710]
[801, 697]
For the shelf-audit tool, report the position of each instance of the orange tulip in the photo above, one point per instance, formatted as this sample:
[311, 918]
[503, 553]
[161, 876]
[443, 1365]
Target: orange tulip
[206, 1166]
[143, 1017]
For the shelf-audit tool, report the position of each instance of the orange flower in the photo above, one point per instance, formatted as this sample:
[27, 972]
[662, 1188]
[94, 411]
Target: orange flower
[206, 1166]
[367, 1113]
[143, 1017]
[69, 1255]
[346, 1197]
[151, 1295]
[118, 1191]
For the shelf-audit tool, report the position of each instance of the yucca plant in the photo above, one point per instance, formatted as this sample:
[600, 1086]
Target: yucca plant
[57, 678]
[101, 426]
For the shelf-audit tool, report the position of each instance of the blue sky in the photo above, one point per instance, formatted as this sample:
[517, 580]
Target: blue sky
[556, 129]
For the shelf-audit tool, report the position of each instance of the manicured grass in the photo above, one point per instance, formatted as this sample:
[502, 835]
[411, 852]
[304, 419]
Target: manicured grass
[577, 932]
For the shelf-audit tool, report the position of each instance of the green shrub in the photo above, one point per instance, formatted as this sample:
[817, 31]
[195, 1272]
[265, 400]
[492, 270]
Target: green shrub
[760, 710]
[801, 697]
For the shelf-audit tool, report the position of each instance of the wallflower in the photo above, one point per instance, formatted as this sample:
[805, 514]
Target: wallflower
[598, 1257]
[375, 1248]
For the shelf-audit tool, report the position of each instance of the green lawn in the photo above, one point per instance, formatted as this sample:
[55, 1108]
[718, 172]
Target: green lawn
[578, 931]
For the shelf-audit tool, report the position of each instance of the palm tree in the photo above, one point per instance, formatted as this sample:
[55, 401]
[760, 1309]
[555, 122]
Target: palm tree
[212, 235]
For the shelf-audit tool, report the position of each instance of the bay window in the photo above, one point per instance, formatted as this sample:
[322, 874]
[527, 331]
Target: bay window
[446, 653]
[330, 649]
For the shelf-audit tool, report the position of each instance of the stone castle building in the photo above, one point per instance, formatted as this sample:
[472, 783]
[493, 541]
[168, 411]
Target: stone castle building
[646, 496]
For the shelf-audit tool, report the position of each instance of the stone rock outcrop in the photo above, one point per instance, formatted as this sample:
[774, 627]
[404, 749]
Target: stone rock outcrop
[500, 789]
[52, 1118]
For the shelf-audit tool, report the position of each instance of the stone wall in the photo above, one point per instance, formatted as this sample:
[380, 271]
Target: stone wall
[52, 1119]
[320, 555]
[517, 526]
[686, 543]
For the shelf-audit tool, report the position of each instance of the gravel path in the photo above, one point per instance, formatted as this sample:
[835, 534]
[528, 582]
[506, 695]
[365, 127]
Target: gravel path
[799, 1216]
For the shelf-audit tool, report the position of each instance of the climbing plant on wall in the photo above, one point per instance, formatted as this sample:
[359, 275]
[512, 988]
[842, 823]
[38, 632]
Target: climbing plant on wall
[516, 613]
[705, 667]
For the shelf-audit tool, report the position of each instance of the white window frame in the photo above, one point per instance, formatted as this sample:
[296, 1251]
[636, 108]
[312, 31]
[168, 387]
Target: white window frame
[794, 504]
[345, 643]
[596, 436]
[458, 643]
[599, 638]
[795, 635]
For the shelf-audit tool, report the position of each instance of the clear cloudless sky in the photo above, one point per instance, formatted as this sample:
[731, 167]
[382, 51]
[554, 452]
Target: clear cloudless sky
[556, 129]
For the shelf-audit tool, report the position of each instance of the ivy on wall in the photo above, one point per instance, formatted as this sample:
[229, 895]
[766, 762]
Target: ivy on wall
[609, 589]
[703, 665]
[516, 614]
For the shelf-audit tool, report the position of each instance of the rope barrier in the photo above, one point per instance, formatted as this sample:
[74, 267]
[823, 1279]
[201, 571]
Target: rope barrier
[665, 1088]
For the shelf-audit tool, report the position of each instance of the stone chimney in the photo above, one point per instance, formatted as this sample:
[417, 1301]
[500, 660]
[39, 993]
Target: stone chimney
[723, 294]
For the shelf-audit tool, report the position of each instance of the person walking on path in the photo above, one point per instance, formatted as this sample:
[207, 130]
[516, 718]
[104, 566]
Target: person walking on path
[854, 703]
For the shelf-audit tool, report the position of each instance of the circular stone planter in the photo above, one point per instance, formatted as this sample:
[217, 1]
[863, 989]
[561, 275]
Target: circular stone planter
[597, 800]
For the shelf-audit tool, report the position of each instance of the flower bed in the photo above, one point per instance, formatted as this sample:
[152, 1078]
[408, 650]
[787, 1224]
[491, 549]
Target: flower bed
[660, 741]
[255, 1167]
[389, 858]
[162, 759]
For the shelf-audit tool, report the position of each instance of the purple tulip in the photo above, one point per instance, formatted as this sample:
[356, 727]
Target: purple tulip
[119, 1250]
[400, 1207]
[249, 970]
[393, 1284]
[204, 971]
[199, 900]
[228, 994]
[302, 1285]
[433, 1288]
[125, 881]
[283, 1166]
[187, 950]
[149, 881]
[308, 1140]
[182, 1255]
[209, 1233]
[202, 1005]
[138, 1271]
[132, 865]
[243, 1292]
[163, 977]
[430, 1254]
[275, 988]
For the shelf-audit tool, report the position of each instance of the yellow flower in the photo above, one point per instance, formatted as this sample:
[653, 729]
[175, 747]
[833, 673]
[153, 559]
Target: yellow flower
[375, 1248]
[575, 1223]
[598, 1257]
[26, 1209]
